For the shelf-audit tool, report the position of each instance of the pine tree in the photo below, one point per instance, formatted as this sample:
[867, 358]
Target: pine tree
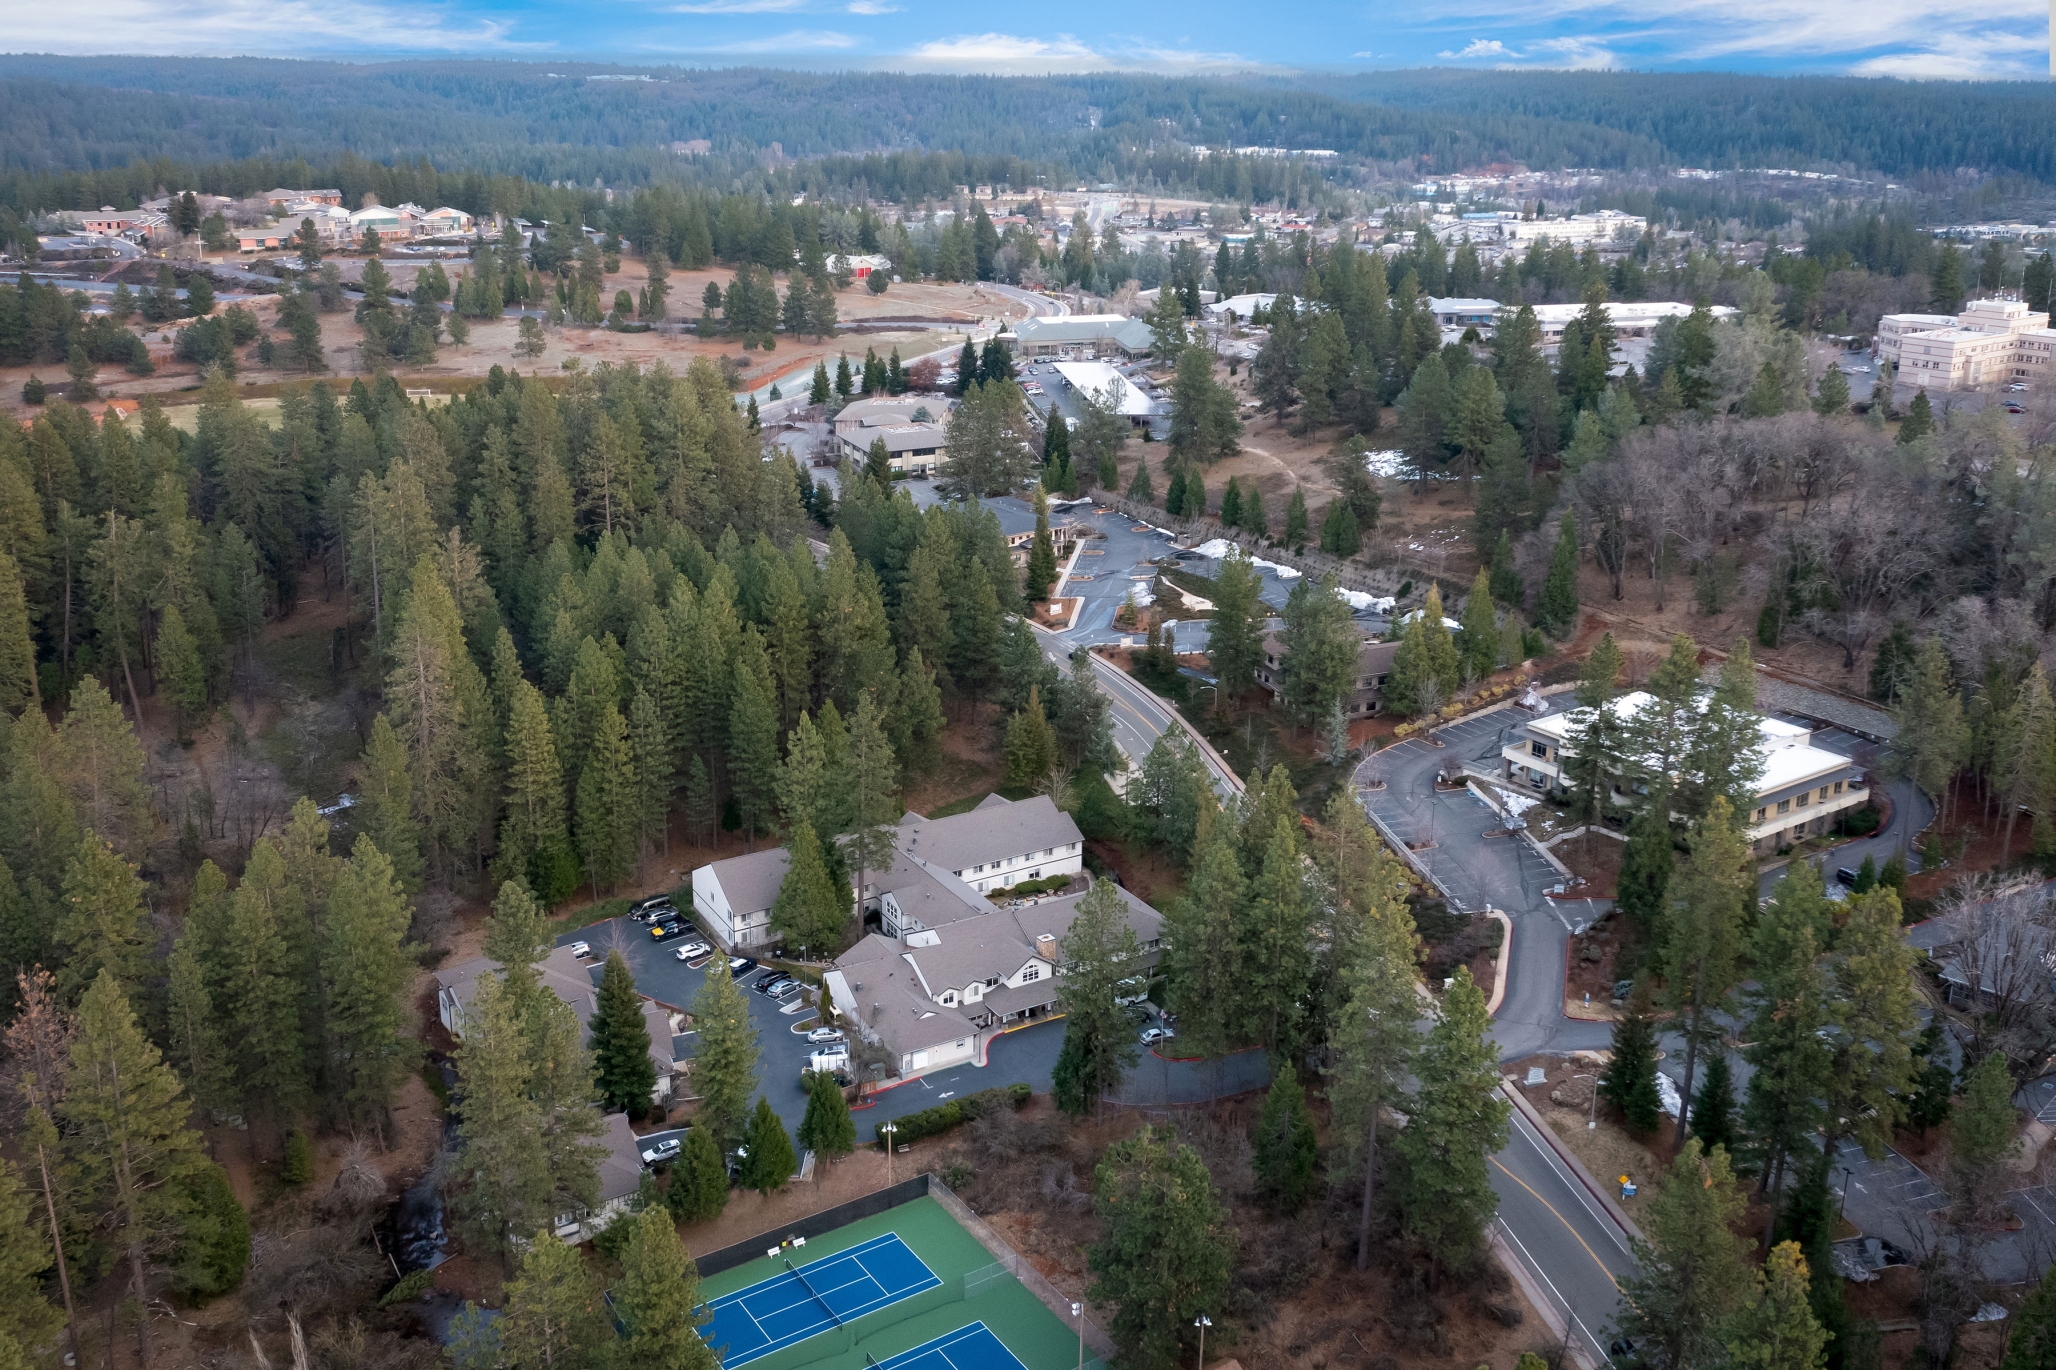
[768, 1162]
[627, 1077]
[256, 984]
[366, 963]
[130, 1140]
[753, 736]
[1099, 1045]
[1042, 556]
[1833, 395]
[650, 751]
[182, 671]
[819, 393]
[1931, 737]
[198, 1053]
[1506, 578]
[2032, 1343]
[1166, 1249]
[1457, 1119]
[385, 804]
[1982, 1137]
[827, 1130]
[1713, 1107]
[724, 1072]
[28, 1323]
[503, 1186]
[555, 1315]
[1286, 1151]
[18, 684]
[101, 925]
[1276, 927]
[101, 766]
[808, 913]
[1479, 645]
[699, 1180]
[1919, 421]
[1643, 888]
[657, 1299]
[1557, 611]
[1202, 957]
[1692, 1271]
[1140, 489]
[1235, 630]
[1779, 1331]
[1701, 927]
[699, 802]
[607, 802]
[1031, 748]
[1629, 1081]
[1295, 519]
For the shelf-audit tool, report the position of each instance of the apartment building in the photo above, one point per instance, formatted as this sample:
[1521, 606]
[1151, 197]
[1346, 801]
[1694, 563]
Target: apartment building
[1991, 342]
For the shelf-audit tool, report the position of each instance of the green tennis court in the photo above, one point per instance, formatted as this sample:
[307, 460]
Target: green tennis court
[971, 1289]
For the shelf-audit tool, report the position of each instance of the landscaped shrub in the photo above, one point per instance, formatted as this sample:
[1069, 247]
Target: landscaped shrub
[930, 1122]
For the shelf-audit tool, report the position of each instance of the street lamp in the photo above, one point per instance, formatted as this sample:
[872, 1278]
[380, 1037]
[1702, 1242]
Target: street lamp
[1078, 1312]
[1202, 1322]
[1847, 1175]
[887, 1132]
[1593, 1121]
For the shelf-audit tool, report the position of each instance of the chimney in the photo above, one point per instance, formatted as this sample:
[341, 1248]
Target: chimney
[1046, 947]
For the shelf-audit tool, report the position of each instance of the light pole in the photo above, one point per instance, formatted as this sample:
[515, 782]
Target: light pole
[1202, 1322]
[1591, 1122]
[887, 1132]
[1847, 1175]
[1078, 1312]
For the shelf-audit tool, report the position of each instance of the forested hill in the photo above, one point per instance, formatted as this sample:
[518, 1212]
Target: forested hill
[77, 114]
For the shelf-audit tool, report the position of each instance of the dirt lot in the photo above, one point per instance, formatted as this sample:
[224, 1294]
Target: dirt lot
[929, 316]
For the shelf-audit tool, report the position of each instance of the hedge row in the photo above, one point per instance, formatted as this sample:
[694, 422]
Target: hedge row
[931, 1121]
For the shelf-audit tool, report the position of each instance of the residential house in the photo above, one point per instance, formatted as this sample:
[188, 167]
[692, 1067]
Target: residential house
[941, 869]
[621, 1173]
[1373, 664]
[935, 997]
[265, 239]
[859, 266]
[565, 976]
[1079, 336]
[1802, 791]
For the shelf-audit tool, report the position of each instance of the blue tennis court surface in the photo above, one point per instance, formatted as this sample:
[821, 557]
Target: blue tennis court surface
[784, 1310]
[967, 1348]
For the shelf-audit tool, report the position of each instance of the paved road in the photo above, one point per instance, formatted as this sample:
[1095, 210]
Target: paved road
[1569, 1244]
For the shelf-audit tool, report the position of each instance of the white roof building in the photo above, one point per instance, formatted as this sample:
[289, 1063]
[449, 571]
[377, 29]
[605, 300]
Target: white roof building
[1991, 342]
[1801, 790]
[1100, 381]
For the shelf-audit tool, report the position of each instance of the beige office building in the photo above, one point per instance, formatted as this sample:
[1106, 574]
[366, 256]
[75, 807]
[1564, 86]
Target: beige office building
[1991, 343]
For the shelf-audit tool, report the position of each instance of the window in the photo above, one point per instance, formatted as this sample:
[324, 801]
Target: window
[1803, 798]
[1784, 806]
[1032, 973]
[1823, 795]
[1537, 749]
[1761, 812]
[1838, 787]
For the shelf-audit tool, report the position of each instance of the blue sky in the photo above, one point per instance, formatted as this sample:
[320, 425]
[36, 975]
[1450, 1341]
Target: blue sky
[1974, 39]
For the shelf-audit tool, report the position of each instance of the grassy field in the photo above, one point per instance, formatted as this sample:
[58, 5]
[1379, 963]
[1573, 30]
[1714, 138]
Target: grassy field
[974, 1289]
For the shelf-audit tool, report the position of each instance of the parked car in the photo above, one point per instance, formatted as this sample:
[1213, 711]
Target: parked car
[2014, 407]
[788, 985]
[581, 949]
[692, 951]
[738, 964]
[646, 910]
[1845, 875]
[1132, 991]
[775, 985]
[666, 1150]
[1152, 1035]
[671, 928]
[822, 1035]
[2017, 388]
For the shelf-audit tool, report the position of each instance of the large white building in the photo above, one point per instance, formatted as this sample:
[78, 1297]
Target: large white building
[1992, 342]
[1802, 789]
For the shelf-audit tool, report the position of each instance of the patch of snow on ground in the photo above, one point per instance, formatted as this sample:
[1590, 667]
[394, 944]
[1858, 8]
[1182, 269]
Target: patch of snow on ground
[1451, 624]
[1357, 599]
[1217, 550]
[1516, 804]
[1282, 572]
[1387, 463]
[1669, 1090]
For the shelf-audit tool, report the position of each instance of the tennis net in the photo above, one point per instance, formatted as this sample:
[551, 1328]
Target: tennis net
[810, 1289]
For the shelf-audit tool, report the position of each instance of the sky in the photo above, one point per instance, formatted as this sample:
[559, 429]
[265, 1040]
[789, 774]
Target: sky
[1917, 39]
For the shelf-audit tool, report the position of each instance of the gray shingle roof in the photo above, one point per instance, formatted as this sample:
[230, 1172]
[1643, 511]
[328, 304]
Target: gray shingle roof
[751, 882]
[1132, 334]
[565, 976]
[991, 832]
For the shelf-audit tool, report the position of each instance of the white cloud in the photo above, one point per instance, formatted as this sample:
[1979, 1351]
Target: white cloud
[741, 7]
[1942, 38]
[873, 7]
[224, 27]
[1005, 53]
[798, 40]
[1589, 54]
[1480, 49]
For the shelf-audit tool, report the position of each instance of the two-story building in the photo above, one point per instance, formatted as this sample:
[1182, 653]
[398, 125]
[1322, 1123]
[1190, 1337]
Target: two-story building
[1802, 790]
[914, 449]
[1991, 342]
[620, 1173]
[1373, 663]
[565, 976]
[934, 997]
[940, 864]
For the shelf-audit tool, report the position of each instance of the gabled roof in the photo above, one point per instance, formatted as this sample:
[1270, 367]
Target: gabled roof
[621, 1168]
[565, 976]
[1132, 334]
[751, 882]
[997, 829]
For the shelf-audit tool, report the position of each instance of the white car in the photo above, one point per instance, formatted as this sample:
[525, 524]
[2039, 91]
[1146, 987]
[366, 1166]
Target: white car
[693, 951]
[1152, 1035]
[2017, 388]
[665, 1150]
[823, 1035]
[581, 949]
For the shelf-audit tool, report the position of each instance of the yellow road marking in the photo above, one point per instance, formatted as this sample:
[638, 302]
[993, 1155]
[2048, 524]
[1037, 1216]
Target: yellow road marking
[1560, 1218]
